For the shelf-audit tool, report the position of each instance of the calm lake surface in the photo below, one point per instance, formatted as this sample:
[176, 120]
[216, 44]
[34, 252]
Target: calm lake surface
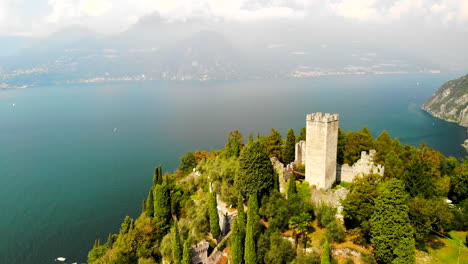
[76, 159]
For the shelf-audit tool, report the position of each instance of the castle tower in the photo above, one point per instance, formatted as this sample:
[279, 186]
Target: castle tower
[321, 148]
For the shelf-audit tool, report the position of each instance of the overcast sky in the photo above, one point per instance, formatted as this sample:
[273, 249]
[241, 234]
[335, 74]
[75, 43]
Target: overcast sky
[41, 17]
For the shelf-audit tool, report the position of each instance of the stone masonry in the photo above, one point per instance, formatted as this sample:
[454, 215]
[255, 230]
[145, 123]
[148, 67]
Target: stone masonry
[321, 149]
[365, 165]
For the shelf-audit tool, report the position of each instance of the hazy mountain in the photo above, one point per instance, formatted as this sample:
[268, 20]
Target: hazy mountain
[200, 49]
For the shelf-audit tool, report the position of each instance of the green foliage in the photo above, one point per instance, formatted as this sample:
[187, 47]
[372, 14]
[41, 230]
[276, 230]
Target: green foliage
[394, 167]
[359, 204]
[157, 176]
[461, 216]
[301, 225]
[280, 250]
[273, 144]
[427, 215]
[253, 218]
[221, 173]
[459, 182]
[250, 255]
[198, 216]
[97, 251]
[176, 245]
[292, 190]
[187, 162]
[335, 232]
[326, 257]
[383, 145]
[251, 140]
[162, 204]
[237, 243]
[289, 147]
[357, 142]
[422, 172]
[214, 218]
[235, 142]
[241, 215]
[255, 173]
[127, 225]
[149, 204]
[342, 142]
[391, 231]
[302, 134]
[275, 208]
[325, 215]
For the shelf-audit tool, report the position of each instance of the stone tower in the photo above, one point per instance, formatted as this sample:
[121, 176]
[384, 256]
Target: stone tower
[321, 148]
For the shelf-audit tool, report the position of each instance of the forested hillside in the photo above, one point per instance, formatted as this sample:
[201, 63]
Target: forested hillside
[401, 217]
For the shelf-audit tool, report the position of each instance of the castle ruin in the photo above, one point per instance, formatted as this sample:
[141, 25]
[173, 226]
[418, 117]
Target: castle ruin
[321, 148]
[319, 153]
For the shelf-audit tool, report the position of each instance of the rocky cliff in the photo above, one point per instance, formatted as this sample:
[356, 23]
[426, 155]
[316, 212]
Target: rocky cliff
[450, 102]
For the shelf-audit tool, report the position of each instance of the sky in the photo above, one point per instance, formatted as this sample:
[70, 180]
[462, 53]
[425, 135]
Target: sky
[42, 17]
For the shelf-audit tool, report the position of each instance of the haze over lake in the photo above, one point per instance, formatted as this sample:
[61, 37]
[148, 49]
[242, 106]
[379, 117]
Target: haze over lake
[76, 159]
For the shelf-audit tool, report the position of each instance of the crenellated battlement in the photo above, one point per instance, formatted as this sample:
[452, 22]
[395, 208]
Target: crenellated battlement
[320, 117]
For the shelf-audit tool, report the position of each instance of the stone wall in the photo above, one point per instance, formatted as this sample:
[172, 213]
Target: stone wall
[200, 252]
[321, 149]
[300, 151]
[364, 165]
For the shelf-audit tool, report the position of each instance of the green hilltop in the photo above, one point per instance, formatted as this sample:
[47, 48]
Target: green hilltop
[235, 206]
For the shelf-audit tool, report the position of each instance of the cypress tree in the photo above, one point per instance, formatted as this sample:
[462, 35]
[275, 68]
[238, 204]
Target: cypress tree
[241, 215]
[273, 144]
[176, 246]
[251, 140]
[235, 142]
[391, 231]
[253, 218]
[150, 204]
[162, 203]
[187, 257]
[237, 242]
[292, 190]
[250, 256]
[157, 176]
[289, 147]
[325, 259]
[214, 218]
[302, 134]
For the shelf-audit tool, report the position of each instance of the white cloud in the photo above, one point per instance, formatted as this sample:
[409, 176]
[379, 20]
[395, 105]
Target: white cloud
[362, 10]
[402, 7]
[95, 7]
[116, 15]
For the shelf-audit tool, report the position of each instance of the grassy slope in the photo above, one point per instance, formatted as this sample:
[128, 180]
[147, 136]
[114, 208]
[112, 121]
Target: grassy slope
[452, 251]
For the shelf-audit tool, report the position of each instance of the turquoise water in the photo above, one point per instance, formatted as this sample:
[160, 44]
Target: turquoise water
[75, 159]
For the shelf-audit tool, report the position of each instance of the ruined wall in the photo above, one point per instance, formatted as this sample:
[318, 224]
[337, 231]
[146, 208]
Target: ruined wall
[300, 151]
[364, 165]
[321, 149]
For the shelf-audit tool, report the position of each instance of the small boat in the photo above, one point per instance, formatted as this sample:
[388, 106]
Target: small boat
[60, 259]
[115, 129]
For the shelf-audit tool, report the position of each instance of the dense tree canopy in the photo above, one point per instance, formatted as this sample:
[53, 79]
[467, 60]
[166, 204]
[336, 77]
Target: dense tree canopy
[391, 230]
[235, 142]
[274, 143]
[255, 173]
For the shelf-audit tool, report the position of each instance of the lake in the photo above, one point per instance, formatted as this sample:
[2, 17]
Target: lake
[76, 159]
